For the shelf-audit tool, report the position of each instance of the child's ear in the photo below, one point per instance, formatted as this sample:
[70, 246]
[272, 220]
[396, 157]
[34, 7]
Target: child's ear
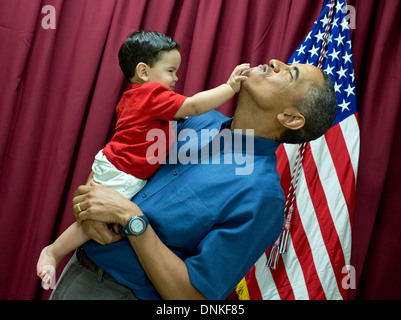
[293, 121]
[142, 71]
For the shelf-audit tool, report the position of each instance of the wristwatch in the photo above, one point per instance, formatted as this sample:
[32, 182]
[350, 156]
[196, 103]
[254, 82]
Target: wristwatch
[135, 226]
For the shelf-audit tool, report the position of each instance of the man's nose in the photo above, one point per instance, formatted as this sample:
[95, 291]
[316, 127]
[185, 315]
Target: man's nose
[277, 65]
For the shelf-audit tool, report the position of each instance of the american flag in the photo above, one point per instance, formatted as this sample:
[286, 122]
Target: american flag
[316, 261]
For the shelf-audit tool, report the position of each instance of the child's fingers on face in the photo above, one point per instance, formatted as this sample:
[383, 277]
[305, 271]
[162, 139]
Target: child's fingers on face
[239, 69]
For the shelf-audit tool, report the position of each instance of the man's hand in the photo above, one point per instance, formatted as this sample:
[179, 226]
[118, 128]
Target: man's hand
[101, 210]
[236, 78]
[100, 232]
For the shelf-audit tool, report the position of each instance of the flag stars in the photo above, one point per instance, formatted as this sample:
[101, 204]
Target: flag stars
[347, 57]
[329, 70]
[344, 106]
[301, 50]
[334, 55]
[340, 40]
[337, 87]
[342, 73]
[353, 76]
[350, 90]
[335, 23]
[339, 7]
[344, 24]
[313, 51]
[325, 20]
[319, 36]
[338, 47]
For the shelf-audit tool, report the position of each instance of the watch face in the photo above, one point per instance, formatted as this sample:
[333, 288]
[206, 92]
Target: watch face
[137, 225]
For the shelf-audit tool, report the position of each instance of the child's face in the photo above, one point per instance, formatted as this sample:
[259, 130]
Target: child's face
[165, 69]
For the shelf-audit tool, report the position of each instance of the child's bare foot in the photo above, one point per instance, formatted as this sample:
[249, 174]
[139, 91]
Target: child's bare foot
[46, 268]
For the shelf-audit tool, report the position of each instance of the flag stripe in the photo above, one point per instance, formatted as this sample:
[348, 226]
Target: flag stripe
[323, 214]
[333, 186]
[352, 140]
[282, 282]
[343, 166]
[265, 280]
[254, 291]
[316, 263]
[343, 178]
[300, 242]
[303, 265]
[295, 273]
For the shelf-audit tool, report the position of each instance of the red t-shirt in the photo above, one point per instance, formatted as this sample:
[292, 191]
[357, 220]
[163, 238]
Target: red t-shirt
[142, 108]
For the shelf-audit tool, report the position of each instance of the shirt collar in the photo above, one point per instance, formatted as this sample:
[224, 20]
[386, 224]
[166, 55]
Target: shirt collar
[240, 142]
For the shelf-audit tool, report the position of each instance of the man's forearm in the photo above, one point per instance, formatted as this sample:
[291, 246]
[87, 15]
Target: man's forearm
[166, 270]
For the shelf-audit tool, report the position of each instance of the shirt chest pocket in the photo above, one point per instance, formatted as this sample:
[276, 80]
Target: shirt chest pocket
[180, 219]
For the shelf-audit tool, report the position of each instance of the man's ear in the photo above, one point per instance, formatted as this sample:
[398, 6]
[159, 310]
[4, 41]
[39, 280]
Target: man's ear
[142, 71]
[293, 121]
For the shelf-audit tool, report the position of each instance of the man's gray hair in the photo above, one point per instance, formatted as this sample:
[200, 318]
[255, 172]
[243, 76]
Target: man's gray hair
[319, 107]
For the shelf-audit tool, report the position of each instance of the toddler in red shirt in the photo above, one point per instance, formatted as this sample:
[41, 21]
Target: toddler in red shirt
[150, 61]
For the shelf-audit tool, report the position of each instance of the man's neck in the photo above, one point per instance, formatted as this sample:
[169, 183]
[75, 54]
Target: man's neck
[262, 122]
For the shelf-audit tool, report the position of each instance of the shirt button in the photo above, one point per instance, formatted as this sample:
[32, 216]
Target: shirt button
[144, 195]
[175, 173]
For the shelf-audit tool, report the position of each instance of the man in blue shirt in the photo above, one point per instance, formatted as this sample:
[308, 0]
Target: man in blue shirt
[197, 228]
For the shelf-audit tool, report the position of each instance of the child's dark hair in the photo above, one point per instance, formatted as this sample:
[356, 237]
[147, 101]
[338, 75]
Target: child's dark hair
[143, 46]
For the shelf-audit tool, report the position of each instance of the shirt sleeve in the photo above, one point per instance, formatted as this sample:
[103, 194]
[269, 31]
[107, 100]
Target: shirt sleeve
[231, 248]
[163, 103]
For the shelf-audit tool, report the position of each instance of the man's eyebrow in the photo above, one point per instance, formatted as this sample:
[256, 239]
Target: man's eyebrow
[297, 72]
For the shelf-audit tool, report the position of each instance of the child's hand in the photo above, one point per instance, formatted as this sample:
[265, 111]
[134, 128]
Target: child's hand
[236, 78]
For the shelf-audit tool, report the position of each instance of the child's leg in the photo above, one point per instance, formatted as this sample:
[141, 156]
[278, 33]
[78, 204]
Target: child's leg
[105, 173]
[51, 255]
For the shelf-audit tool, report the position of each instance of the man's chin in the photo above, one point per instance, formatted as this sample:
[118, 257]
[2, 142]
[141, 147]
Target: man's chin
[246, 73]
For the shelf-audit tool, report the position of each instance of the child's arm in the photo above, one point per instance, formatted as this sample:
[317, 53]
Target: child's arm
[90, 178]
[205, 101]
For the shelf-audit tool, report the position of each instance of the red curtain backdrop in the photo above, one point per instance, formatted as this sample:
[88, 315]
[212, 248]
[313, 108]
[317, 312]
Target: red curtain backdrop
[59, 88]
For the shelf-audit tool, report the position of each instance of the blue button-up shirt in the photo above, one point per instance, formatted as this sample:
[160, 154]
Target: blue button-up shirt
[217, 215]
